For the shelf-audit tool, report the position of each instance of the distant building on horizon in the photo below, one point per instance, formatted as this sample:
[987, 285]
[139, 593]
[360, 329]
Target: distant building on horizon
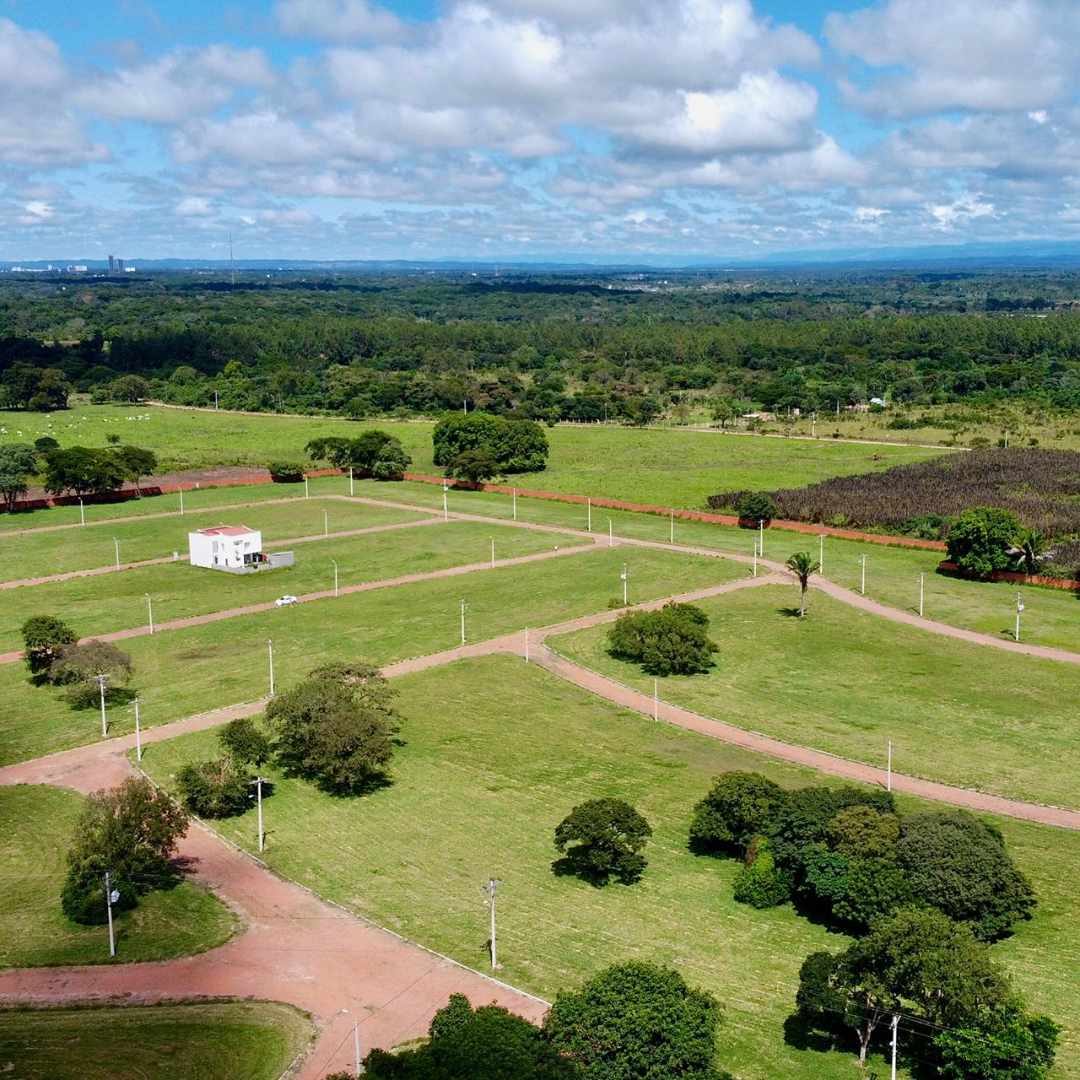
[112, 264]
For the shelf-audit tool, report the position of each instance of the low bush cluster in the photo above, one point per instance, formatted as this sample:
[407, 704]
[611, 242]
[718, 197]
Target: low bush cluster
[670, 641]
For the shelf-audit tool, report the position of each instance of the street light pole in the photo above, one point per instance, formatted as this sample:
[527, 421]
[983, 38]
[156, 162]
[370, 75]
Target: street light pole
[463, 606]
[1019, 608]
[671, 535]
[181, 502]
[351, 487]
[515, 504]
[821, 553]
[761, 536]
[588, 504]
[445, 508]
[888, 769]
[492, 552]
[334, 561]
[138, 733]
[82, 512]
[862, 580]
[356, 1044]
[101, 691]
[922, 590]
[895, 1026]
[111, 896]
[326, 523]
[625, 575]
[270, 652]
[492, 886]
[150, 612]
[307, 490]
[258, 782]
[610, 534]
[116, 544]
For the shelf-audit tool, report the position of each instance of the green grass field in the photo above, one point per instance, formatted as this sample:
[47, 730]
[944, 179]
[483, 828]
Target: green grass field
[847, 682]
[495, 754]
[182, 672]
[679, 467]
[892, 573]
[97, 605]
[38, 554]
[36, 824]
[241, 1040]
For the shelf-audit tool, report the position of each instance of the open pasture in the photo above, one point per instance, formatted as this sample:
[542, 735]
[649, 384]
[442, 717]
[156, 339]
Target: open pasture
[38, 554]
[892, 573]
[495, 754]
[101, 604]
[846, 682]
[234, 1040]
[36, 825]
[182, 672]
[679, 467]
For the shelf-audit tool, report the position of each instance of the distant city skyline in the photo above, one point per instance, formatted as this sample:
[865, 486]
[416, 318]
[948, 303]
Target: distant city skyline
[525, 130]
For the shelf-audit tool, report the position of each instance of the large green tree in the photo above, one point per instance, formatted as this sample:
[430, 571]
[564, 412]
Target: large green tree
[131, 832]
[671, 641]
[44, 636]
[17, 464]
[982, 540]
[601, 839]
[637, 1021]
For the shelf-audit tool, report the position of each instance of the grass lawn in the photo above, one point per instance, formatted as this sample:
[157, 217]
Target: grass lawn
[847, 682]
[679, 467]
[187, 671]
[38, 554]
[496, 753]
[97, 605]
[36, 823]
[892, 573]
[233, 1040]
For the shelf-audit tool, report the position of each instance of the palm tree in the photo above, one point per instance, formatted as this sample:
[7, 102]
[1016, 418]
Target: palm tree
[1032, 547]
[802, 565]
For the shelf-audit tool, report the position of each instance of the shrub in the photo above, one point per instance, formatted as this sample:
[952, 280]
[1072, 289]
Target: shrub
[77, 668]
[755, 506]
[671, 641]
[739, 807]
[244, 742]
[981, 540]
[636, 1021]
[959, 865]
[760, 883]
[285, 472]
[214, 789]
[473, 466]
[391, 463]
[335, 733]
[44, 636]
[602, 838]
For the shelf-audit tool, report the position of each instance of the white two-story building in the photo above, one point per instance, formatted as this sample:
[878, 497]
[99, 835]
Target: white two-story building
[226, 547]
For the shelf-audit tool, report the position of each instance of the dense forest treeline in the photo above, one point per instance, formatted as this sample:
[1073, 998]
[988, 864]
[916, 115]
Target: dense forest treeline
[622, 346]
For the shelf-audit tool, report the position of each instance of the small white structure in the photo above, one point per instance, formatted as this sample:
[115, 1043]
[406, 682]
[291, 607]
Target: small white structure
[226, 547]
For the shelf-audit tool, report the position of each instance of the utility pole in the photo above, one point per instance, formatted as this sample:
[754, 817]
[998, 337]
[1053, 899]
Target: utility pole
[326, 523]
[761, 537]
[492, 553]
[490, 889]
[101, 691]
[138, 733]
[445, 508]
[111, 896]
[862, 579]
[515, 504]
[1019, 608]
[895, 1026]
[588, 503]
[922, 592]
[150, 612]
[215, 397]
[888, 769]
[258, 782]
[82, 512]
[463, 607]
[116, 544]
[351, 488]
[334, 561]
[270, 652]
[625, 577]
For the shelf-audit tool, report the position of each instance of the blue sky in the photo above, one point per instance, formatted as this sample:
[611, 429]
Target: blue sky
[521, 129]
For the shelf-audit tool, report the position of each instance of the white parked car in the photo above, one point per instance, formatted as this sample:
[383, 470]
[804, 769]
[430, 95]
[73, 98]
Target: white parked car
[285, 601]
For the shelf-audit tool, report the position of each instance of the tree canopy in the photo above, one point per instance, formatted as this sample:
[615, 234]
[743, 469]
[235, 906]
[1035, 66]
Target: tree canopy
[671, 641]
[601, 839]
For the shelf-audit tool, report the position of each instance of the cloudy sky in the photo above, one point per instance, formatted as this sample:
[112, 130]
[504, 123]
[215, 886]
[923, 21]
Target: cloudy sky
[509, 129]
